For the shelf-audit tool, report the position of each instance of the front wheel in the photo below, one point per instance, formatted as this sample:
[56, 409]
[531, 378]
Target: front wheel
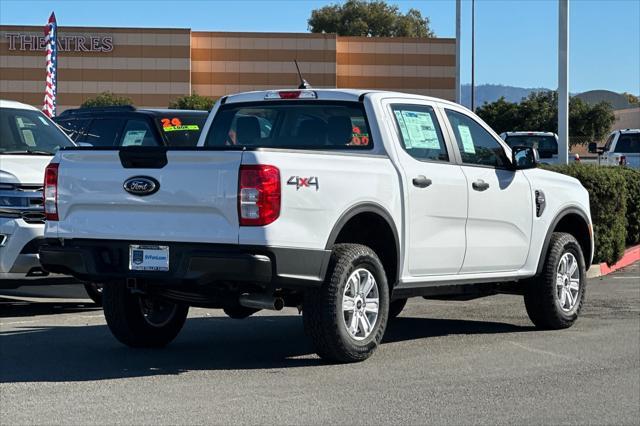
[554, 299]
[94, 291]
[347, 316]
[140, 320]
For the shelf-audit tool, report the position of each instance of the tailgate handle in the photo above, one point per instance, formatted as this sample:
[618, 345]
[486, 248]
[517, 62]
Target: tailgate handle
[143, 157]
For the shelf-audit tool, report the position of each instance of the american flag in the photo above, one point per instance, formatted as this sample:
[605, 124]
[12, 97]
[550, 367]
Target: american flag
[50, 35]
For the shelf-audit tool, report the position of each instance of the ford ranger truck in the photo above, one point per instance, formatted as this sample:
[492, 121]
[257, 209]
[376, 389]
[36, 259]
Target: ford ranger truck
[351, 202]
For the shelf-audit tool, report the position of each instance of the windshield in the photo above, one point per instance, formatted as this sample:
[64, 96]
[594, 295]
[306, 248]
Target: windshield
[541, 143]
[182, 129]
[291, 124]
[628, 143]
[25, 131]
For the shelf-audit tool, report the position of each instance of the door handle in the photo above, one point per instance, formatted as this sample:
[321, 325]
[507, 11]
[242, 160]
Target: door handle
[421, 181]
[480, 185]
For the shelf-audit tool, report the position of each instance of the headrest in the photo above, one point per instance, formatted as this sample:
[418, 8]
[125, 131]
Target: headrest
[247, 130]
[340, 130]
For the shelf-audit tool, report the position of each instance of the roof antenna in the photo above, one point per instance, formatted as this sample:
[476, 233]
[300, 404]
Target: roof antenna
[303, 83]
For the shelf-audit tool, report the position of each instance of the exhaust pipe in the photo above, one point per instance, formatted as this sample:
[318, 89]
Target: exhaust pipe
[261, 301]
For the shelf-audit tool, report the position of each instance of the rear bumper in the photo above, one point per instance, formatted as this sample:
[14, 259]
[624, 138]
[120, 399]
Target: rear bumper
[203, 264]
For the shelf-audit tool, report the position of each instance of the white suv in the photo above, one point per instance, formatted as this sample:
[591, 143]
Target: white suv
[28, 141]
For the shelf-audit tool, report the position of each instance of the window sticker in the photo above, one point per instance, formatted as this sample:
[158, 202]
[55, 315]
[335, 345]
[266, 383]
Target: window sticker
[403, 129]
[418, 130]
[467, 140]
[133, 137]
[187, 127]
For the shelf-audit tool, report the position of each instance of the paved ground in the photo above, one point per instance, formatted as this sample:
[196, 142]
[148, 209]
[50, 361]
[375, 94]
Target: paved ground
[442, 363]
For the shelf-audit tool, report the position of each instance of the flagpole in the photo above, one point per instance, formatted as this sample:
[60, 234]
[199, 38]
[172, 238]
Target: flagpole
[51, 52]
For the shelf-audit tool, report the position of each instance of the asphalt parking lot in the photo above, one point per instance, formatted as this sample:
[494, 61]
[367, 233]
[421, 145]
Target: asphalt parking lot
[442, 362]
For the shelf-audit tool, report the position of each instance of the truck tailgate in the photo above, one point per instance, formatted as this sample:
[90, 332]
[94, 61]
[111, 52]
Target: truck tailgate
[196, 199]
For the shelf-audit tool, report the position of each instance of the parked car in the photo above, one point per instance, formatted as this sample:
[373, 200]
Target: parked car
[28, 141]
[545, 142]
[129, 126]
[621, 149]
[353, 202]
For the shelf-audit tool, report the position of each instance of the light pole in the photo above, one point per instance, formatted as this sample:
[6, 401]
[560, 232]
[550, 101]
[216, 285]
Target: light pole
[458, 43]
[473, 55]
[563, 81]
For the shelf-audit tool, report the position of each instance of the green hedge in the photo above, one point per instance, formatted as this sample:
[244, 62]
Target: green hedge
[614, 194]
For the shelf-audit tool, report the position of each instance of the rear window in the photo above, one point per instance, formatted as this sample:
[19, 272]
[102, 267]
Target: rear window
[544, 144]
[629, 143]
[296, 125]
[182, 129]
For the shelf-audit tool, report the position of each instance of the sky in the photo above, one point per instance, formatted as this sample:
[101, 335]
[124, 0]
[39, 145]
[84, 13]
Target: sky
[516, 40]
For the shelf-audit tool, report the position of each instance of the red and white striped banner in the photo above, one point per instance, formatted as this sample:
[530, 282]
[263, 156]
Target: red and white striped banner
[50, 33]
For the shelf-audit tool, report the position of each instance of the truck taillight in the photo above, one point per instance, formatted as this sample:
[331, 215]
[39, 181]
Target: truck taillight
[50, 193]
[258, 195]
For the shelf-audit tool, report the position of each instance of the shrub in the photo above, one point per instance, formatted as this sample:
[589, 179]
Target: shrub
[106, 99]
[633, 204]
[607, 187]
[193, 101]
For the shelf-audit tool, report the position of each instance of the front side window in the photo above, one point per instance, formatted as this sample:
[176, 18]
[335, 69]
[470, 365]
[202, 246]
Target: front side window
[182, 129]
[138, 133]
[295, 125]
[420, 133]
[477, 146]
[29, 132]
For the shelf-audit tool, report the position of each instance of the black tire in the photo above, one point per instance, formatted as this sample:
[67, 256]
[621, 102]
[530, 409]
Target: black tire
[541, 293]
[94, 291]
[239, 312]
[123, 311]
[322, 310]
[396, 307]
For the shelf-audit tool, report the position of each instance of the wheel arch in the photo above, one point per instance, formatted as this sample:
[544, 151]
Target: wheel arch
[574, 221]
[360, 215]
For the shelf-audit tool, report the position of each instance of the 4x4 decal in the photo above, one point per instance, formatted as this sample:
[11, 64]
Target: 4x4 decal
[304, 182]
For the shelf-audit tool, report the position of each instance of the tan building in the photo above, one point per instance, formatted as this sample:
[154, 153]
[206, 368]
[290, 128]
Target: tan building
[155, 66]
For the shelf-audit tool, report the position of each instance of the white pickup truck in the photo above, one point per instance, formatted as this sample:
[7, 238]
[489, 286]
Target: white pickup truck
[351, 202]
[621, 149]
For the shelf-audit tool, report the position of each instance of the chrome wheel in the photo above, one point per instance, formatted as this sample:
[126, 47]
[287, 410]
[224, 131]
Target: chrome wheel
[157, 313]
[360, 303]
[567, 282]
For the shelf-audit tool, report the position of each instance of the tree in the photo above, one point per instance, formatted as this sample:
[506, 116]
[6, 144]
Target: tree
[193, 101]
[539, 112]
[372, 19]
[106, 99]
[633, 99]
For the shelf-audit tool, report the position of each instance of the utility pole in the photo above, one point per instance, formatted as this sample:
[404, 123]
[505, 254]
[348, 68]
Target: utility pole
[563, 81]
[458, 43]
[473, 55]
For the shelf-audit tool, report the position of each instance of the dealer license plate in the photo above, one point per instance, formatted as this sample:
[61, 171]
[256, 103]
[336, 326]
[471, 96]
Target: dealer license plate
[148, 258]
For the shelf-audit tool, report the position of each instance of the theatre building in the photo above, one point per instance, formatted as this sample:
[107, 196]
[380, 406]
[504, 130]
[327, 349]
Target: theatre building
[153, 66]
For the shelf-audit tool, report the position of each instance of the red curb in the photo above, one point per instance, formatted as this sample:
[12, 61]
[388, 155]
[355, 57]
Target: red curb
[632, 254]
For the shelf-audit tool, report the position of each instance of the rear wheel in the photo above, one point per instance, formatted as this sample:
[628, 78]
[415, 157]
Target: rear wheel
[554, 299]
[347, 316]
[139, 320]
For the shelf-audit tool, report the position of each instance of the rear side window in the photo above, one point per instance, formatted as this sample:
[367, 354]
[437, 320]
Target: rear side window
[420, 132]
[629, 143]
[476, 145]
[296, 125]
[103, 132]
[138, 133]
[182, 129]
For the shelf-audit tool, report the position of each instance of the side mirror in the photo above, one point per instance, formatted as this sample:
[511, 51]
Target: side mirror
[524, 157]
[593, 147]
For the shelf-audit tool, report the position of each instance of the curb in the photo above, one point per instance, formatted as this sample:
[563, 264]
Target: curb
[631, 255]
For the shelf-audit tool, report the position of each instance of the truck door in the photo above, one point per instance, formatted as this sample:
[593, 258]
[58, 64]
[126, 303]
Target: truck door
[500, 213]
[435, 190]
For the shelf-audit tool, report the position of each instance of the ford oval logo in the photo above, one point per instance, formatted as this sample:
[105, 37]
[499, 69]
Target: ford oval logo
[141, 185]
